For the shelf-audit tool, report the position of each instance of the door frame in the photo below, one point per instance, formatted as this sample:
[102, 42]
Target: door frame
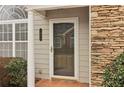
[76, 47]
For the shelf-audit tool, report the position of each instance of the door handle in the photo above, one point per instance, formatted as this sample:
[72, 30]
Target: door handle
[51, 49]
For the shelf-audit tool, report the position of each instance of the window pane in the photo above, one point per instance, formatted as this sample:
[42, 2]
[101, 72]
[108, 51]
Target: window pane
[5, 36]
[6, 32]
[5, 49]
[0, 36]
[9, 28]
[21, 50]
[10, 36]
[1, 28]
[21, 32]
[5, 28]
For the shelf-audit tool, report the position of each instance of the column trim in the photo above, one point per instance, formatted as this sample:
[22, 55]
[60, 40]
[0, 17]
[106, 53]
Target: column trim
[31, 64]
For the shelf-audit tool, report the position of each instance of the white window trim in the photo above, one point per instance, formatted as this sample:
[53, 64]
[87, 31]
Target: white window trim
[13, 22]
[76, 46]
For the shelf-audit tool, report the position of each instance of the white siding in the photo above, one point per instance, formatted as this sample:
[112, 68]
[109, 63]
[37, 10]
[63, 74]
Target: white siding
[83, 14]
[41, 48]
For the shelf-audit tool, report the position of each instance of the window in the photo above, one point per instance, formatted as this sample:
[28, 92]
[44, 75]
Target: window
[21, 49]
[6, 32]
[11, 12]
[21, 32]
[13, 35]
[8, 43]
[6, 40]
[6, 49]
[21, 44]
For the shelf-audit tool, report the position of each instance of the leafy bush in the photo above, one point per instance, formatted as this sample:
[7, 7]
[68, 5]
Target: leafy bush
[4, 78]
[17, 70]
[114, 73]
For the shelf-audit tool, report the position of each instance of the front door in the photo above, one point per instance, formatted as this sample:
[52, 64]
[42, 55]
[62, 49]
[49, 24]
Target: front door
[63, 48]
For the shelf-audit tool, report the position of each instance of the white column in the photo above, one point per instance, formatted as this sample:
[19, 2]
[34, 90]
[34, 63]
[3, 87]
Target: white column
[31, 70]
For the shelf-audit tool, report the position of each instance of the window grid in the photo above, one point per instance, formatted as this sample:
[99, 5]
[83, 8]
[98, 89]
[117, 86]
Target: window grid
[20, 40]
[12, 12]
[8, 48]
[21, 49]
[6, 32]
[21, 32]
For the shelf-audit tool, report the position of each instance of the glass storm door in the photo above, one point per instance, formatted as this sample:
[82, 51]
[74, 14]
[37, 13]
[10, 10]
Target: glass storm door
[63, 43]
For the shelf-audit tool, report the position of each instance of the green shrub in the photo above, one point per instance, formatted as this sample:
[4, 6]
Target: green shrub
[17, 70]
[114, 73]
[4, 78]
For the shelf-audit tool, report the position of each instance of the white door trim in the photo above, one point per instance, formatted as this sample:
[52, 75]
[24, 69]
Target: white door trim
[76, 45]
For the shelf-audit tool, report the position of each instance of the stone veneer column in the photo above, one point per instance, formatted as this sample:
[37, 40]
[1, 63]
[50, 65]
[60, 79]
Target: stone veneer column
[107, 37]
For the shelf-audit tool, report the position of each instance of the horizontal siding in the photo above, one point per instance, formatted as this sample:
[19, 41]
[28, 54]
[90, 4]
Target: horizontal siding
[84, 47]
[84, 54]
[43, 61]
[82, 79]
[44, 37]
[41, 66]
[43, 76]
[45, 51]
[43, 42]
[83, 34]
[41, 48]
[44, 27]
[84, 68]
[41, 56]
[45, 71]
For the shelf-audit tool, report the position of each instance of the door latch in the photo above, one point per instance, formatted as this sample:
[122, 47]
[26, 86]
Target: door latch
[51, 49]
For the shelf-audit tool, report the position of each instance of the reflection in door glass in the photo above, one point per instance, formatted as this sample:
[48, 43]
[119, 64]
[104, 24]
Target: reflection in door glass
[63, 49]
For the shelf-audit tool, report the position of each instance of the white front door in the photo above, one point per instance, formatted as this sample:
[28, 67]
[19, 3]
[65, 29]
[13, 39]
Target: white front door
[64, 48]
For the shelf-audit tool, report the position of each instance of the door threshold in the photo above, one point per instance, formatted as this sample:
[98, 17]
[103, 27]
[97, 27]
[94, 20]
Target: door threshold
[63, 78]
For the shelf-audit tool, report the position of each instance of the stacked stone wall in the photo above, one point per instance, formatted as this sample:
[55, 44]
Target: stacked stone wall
[107, 37]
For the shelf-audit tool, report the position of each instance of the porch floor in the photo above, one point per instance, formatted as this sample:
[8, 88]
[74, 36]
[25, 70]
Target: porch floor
[60, 83]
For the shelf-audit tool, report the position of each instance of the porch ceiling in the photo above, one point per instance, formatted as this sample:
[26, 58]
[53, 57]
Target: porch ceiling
[51, 7]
